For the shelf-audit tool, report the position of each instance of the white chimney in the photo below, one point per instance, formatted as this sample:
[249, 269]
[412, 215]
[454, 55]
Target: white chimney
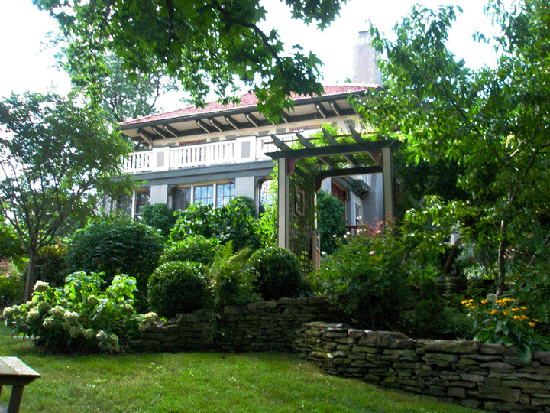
[365, 68]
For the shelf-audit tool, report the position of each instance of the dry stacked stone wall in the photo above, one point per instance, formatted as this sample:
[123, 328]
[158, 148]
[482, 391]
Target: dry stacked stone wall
[473, 374]
[261, 326]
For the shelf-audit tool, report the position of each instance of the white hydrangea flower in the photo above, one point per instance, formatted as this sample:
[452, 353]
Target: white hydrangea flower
[43, 306]
[75, 331]
[88, 333]
[70, 316]
[41, 286]
[101, 335]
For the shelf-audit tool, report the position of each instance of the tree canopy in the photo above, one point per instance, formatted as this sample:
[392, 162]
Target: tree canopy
[494, 122]
[55, 158]
[203, 43]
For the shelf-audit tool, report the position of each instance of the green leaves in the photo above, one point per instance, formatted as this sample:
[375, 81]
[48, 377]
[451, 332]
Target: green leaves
[81, 316]
[203, 44]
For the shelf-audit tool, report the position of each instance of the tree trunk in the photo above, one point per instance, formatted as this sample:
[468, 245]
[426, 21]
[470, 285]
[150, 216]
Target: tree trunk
[29, 284]
[501, 259]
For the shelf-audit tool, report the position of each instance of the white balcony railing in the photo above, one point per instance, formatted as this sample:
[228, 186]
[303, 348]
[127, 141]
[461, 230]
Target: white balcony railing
[213, 153]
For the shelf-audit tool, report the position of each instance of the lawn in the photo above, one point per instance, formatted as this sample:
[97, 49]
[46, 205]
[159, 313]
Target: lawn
[197, 382]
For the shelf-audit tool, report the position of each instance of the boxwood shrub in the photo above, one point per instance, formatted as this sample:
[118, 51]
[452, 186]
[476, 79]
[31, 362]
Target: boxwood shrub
[196, 248]
[277, 273]
[177, 288]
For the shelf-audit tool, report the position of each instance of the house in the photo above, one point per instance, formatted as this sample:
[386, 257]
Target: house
[215, 153]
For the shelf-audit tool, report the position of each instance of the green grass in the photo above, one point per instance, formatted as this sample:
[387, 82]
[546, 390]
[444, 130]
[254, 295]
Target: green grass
[197, 382]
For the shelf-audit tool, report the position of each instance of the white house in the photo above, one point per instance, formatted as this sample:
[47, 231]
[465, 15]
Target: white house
[215, 153]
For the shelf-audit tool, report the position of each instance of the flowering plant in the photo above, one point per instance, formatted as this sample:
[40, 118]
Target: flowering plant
[504, 321]
[81, 316]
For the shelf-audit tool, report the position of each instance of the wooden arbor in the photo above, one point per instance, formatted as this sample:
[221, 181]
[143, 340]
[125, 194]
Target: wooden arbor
[297, 185]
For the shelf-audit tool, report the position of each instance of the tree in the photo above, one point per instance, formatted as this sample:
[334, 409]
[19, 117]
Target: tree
[55, 157]
[493, 122]
[199, 42]
[104, 81]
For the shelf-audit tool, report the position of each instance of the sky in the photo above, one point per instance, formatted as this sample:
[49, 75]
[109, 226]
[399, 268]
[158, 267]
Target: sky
[27, 65]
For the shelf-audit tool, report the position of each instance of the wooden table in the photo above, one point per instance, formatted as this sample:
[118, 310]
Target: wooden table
[15, 373]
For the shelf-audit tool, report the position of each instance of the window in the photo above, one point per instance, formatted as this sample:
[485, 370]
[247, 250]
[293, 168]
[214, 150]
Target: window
[142, 198]
[266, 197]
[124, 205]
[203, 194]
[181, 198]
[224, 194]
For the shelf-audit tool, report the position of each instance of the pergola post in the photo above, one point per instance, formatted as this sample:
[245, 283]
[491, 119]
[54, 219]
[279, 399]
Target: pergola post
[283, 204]
[387, 182]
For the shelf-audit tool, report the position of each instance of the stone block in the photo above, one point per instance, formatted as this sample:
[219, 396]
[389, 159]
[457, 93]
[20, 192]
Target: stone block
[497, 366]
[499, 393]
[293, 301]
[526, 385]
[440, 359]
[451, 346]
[502, 407]
[478, 378]
[365, 349]
[357, 333]
[388, 339]
[542, 357]
[456, 392]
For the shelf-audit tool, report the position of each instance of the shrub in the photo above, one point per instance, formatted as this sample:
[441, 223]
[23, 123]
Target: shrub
[231, 222]
[330, 221]
[177, 288]
[230, 281]
[368, 279]
[277, 273]
[11, 284]
[249, 203]
[268, 227]
[195, 248]
[80, 317]
[51, 265]
[116, 247]
[158, 216]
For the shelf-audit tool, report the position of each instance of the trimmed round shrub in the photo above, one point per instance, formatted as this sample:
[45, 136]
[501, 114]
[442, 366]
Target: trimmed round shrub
[117, 247]
[195, 248]
[177, 288]
[277, 273]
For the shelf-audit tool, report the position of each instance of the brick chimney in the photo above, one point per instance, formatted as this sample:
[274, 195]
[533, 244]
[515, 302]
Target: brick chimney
[365, 69]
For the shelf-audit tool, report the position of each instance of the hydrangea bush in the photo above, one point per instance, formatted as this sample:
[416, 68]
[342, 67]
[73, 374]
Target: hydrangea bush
[80, 317]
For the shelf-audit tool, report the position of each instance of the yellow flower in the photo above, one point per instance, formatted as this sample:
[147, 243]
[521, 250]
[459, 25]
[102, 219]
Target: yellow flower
[531, 324]
[505, 312]
[483, 301]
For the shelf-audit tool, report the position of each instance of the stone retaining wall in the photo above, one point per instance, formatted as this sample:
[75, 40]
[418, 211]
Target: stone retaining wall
[473, 374]
[261, 326]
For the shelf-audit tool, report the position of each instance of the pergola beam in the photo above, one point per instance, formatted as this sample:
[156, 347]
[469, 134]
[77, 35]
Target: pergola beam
[343, 149]
[332, 140]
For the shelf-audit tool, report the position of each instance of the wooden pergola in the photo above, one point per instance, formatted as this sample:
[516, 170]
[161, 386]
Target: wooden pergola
[334, 160]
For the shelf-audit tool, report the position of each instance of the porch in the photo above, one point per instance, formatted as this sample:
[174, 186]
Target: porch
[240, 150]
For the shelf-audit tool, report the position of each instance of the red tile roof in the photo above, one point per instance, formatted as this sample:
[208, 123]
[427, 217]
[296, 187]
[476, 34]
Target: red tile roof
[247, 100]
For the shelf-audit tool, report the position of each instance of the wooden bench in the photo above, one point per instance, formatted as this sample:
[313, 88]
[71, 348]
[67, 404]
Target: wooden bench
[15, 373]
